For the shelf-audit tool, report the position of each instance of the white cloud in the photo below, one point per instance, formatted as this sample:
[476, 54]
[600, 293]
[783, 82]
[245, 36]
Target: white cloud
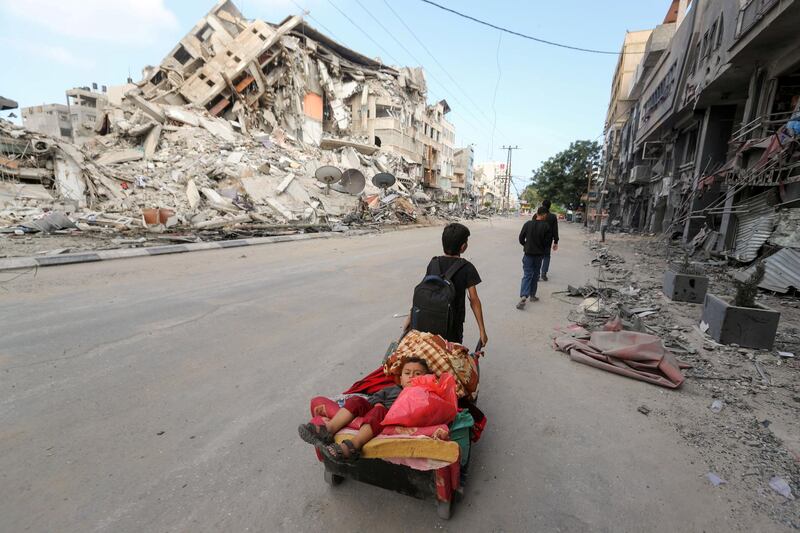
[59, 54]
[117, 21]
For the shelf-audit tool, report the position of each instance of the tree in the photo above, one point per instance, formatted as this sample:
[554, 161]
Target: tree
[564, 177]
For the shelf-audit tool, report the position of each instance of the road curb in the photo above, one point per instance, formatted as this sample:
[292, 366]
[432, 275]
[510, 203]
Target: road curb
[17, 263]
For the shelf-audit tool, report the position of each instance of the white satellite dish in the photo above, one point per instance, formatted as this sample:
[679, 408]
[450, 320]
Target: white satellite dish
[328, 174]
[352, 182]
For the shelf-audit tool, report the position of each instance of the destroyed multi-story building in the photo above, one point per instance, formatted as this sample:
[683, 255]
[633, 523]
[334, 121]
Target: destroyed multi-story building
[708, 150]
[244, 122]
[49, 119]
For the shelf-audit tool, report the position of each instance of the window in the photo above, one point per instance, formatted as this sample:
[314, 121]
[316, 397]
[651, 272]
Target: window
[204, 33]
[181, 55]
[720, 31]
[65, 132]
[158, 78]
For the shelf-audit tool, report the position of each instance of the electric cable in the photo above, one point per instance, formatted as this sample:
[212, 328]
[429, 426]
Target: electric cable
[436, 60]
[524, 36]
[434, 78]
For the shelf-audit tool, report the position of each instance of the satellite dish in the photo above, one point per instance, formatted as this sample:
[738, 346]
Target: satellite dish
[383, 181]
[328, 174]
[352, 182]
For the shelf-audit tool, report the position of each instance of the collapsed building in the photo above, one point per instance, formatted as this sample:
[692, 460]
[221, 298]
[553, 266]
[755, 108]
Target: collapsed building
[230, 129]
[703, 130]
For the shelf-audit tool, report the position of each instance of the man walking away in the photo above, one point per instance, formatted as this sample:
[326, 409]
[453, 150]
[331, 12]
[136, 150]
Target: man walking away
[552, 219]
[535, 238]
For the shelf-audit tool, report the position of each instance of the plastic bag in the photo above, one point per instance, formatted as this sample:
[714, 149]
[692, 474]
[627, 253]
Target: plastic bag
[425, 402]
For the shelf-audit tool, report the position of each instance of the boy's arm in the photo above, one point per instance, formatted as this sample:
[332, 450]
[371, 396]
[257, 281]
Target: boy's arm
[477, 310]
[522, 234]
[555, 233]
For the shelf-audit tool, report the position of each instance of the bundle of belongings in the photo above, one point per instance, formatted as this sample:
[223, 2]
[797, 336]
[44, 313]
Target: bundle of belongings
[423, 447]
[628, 353]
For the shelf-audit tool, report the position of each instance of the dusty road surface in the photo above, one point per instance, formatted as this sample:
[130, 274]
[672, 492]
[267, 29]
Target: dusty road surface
[164, 393]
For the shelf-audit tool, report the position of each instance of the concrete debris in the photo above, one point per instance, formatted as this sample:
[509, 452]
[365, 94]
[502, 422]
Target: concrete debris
[239, 113]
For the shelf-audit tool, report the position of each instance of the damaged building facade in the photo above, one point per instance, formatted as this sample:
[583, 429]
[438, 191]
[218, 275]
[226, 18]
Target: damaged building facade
[707, 148]
[238, 126]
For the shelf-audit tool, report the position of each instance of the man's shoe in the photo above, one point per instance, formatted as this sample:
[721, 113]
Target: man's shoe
[521, 304]
[544, 277]
[534, 299]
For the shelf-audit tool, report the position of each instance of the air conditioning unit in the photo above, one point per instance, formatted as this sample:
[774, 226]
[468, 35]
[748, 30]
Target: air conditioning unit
[641, 174]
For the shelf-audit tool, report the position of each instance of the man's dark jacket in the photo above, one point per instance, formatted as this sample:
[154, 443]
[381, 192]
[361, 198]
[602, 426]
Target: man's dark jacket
[536, 236]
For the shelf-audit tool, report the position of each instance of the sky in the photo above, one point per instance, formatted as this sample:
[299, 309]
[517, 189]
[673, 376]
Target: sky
[503, 90]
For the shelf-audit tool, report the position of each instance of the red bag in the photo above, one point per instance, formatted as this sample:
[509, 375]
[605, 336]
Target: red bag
[425, 402]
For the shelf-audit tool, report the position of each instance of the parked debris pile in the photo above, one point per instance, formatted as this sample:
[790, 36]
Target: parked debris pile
[228, 133]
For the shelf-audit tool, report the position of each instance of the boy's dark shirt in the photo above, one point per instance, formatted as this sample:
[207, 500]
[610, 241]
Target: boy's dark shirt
[552, 219]
[536, 237]
[385, 397]
[466, 277]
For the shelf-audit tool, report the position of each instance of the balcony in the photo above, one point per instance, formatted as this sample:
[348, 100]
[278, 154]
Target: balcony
[751, 13]
[761, 127]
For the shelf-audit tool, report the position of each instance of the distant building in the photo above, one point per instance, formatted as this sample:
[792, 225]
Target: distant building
[48, 119]
[463, 172]
[489, 181]
[85, 105]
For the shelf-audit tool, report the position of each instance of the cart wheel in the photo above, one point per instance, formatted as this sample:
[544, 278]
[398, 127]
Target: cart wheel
[333, 479]
[443, 510]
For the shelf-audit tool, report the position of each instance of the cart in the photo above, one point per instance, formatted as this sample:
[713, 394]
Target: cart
[421, 467]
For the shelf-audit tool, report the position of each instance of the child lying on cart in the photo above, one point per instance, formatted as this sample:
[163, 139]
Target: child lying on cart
[372, 410]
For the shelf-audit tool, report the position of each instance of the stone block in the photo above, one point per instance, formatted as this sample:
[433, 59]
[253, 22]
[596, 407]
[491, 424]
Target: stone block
[746, 326]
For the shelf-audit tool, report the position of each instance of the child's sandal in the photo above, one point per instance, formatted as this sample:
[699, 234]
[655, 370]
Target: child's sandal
[315, 435]
[334, 452]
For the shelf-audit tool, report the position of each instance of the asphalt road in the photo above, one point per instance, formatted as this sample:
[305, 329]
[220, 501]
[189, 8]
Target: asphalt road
[163, 394]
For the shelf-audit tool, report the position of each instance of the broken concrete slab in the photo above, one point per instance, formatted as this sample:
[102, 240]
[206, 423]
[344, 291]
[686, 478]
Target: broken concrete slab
[184, 116]
[280, 209]
[69, 178]
[150, 109]
[329, 143]
[285, 183]
[192, 194]
[151, 141]
[9, 192]
[116, 157]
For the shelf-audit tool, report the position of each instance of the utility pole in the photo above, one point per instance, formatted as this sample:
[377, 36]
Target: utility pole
[507, 177]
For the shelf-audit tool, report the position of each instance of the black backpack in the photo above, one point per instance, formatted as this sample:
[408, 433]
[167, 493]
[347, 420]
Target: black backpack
[434, 299]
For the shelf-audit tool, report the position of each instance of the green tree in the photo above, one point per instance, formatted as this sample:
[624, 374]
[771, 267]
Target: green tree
[564, 177]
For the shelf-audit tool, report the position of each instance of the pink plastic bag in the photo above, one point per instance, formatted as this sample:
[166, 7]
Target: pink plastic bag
[425, 402]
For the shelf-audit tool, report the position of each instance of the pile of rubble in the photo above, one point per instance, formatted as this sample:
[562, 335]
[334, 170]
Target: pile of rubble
[224, 138]
[739, 406]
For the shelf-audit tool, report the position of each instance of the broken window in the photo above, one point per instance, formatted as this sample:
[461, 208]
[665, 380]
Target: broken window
[691, 147]
[720, 31]
[158, 78]
[384, 111]
[181, 55]
[65, 132]
[204, 33]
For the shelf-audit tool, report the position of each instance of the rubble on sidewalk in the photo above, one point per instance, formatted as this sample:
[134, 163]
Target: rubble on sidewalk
[227, 133]
[737, 406]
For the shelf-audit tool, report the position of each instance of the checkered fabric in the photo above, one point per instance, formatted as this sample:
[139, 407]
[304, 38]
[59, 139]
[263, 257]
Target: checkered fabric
[441, 356]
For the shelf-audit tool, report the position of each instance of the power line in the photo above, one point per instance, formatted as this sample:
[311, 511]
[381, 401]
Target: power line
[376, 43]
[518, 34]
[434, 78]
[427, 50]
[443, 86]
